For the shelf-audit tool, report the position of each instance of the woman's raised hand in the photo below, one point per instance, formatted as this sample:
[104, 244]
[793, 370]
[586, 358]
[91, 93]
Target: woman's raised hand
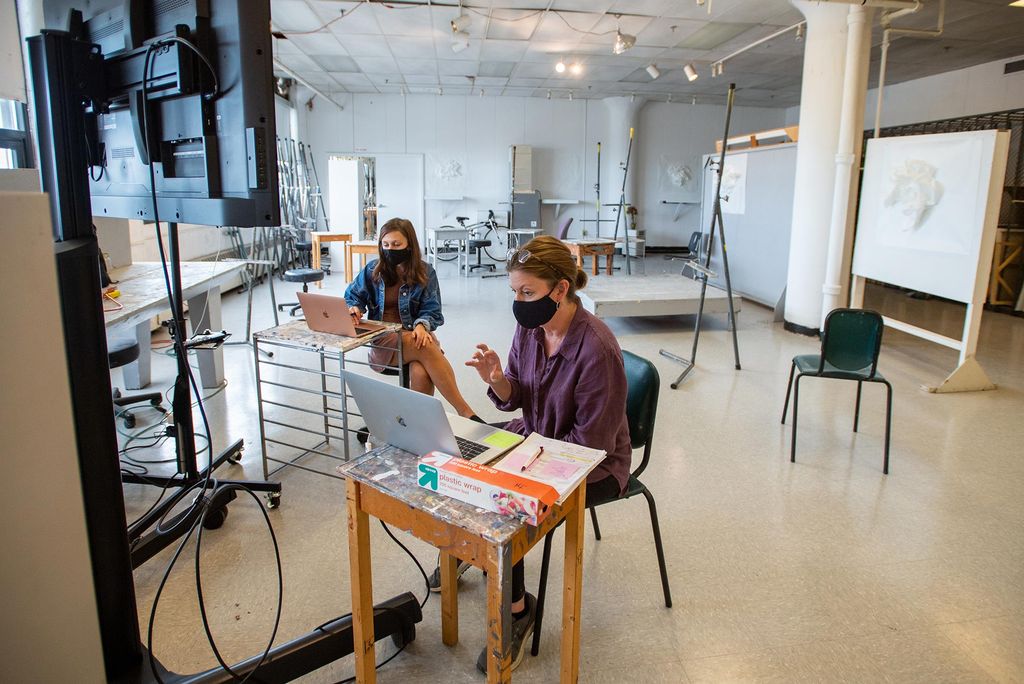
[487, 364]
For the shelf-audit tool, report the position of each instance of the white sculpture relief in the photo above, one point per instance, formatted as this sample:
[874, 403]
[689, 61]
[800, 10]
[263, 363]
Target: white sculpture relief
[679, 174]
[913, 191]
[449, 170]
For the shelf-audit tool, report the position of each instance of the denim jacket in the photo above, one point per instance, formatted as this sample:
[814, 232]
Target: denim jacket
[416, 303]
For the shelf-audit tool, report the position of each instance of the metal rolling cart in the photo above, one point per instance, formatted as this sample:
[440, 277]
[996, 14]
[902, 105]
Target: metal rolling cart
[285, 383]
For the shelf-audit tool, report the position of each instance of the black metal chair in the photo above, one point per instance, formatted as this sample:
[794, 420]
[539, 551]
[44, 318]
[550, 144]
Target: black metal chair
[120, 352]
[643, 384]
[850, 343]
[304, 274]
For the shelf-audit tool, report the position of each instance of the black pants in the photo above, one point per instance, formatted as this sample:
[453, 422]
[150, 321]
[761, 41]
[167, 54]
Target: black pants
[602, 490]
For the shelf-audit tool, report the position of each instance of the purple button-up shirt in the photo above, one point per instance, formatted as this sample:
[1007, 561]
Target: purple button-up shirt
[577, 395]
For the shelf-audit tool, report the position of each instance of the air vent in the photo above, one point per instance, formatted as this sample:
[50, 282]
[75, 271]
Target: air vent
[122, 153]
[169, 6]
[107, 30]
[1013, 67]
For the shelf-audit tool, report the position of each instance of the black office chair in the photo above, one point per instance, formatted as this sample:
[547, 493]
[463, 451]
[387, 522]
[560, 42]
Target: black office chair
[642, 386]
[850, 343]
[478, 245]
[120, 352]
[304, 274]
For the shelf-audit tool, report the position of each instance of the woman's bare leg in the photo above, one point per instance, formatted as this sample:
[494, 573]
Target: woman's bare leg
[439, 370]
[419, 379]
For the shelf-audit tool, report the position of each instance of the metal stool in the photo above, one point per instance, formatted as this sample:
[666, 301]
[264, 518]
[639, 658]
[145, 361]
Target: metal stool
[304, 276]
[120, 352]
[478, 245]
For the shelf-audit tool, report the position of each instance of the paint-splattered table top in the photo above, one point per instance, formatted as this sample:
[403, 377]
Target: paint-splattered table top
[297, 334]
[393, 471]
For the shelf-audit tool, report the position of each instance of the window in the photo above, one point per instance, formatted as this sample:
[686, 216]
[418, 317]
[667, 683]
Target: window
[14, 144]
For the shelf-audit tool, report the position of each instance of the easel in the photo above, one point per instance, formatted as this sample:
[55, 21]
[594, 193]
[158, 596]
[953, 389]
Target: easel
[704, 271]
[597, 203]
[622, 204]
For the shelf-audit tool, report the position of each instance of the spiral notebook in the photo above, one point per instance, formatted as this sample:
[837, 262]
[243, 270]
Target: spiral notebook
[561, 465]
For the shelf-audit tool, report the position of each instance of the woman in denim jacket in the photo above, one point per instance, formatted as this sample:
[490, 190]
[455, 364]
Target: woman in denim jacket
[400, 287]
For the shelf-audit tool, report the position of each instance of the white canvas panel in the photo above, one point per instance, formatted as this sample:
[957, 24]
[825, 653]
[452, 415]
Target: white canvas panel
[734, 184]
[923, 211]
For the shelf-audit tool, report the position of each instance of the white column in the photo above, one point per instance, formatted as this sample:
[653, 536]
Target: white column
[851, 126]
[820, 100]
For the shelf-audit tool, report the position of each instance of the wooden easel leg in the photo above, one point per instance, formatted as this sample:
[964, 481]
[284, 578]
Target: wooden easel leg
[968, 377]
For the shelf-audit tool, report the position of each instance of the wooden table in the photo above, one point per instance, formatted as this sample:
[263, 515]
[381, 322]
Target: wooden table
[144, 295]
[595, 248]
[383, 483]
[321, 236]
[367, 248]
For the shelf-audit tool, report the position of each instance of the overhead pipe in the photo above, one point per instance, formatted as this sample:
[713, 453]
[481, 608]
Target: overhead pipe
[887, 34]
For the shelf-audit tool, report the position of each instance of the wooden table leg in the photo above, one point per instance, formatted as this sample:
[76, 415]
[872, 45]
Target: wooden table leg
[362, 586]
[449, 600]
[499, 615]
[572, 589]
[348, 263]
[608, 262]
[593, 264]
[314, 257]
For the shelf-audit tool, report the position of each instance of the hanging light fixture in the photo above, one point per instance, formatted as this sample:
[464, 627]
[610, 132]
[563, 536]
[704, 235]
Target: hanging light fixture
[460, 41]
[549, 94]
[691, 73]
[623, 42]
[570, 96]
[653, 70]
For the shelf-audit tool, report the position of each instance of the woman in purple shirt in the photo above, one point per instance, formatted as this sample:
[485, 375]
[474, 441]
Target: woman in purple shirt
[565, 372]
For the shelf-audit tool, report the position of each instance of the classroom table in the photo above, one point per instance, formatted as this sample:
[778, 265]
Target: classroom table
[383, 483]
[144, 295]
[319, 237]
[367, 248]
[594, 248]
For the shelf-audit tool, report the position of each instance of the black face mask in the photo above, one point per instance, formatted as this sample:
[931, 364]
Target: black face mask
[396, 257]
[536, 313]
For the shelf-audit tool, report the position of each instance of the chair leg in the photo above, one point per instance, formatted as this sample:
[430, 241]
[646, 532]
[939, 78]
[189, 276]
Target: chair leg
[856, 410]
[597, 528]
[789, 386]
[658, 547]
[888, 425]
[542, 588]
[796, 404]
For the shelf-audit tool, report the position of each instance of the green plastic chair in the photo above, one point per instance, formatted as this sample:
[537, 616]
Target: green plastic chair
[850, 344]
[642, 386]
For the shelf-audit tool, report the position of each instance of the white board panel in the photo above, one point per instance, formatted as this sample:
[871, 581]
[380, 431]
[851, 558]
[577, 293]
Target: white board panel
[923, 208]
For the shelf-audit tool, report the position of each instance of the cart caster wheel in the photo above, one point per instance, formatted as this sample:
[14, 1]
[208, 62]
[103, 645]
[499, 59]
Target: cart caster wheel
[129, 421]
[215, 518]
[236, 457]
[273, 501]
[404, 637]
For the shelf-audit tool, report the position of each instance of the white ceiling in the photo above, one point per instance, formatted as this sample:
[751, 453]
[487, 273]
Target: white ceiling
[378, 47]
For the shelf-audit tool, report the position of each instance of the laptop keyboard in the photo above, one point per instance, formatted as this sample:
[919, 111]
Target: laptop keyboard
[469, 448]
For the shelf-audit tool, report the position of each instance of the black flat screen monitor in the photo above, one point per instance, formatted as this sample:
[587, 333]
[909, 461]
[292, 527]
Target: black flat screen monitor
[214, 156]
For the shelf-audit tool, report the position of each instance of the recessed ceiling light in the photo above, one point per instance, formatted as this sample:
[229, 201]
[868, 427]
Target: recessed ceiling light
[691, 73]
[560, 67]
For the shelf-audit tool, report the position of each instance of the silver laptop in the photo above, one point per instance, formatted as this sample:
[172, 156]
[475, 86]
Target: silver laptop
[418, 423]
[329, 314]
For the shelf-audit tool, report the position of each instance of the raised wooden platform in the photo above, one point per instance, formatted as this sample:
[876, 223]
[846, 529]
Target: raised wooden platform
[655, 295]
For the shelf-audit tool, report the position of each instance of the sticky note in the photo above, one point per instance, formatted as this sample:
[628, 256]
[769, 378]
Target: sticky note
[502, 439]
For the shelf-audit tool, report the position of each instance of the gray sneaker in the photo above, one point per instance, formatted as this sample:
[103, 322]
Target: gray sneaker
[522, 630]
[435, 578]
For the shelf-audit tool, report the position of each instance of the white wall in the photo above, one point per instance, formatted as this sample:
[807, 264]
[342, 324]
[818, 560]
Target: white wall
[476, 132]
[12, 75]
[975, 90]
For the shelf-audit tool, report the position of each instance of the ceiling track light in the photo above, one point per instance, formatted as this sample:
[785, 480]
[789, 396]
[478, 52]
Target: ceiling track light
[669, 100]
[460, 23]
[653, 70]
[570, 96]
[549, 94]
[560, 67]
[691, 72]
[717, 69]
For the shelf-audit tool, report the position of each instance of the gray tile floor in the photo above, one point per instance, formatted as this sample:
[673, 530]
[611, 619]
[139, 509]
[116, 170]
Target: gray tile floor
[823, 570]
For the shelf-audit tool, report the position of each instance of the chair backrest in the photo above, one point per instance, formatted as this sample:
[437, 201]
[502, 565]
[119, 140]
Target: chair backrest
[694, 246]
[563, 230]
[852, 339]
[642, 386]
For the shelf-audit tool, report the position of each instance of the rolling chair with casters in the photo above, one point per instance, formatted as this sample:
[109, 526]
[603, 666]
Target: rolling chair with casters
[120, 352]
[478, 245]
[304, 274]
[642, 385]
[362, 434]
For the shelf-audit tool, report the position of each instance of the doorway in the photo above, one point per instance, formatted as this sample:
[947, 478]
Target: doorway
[367, 190]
